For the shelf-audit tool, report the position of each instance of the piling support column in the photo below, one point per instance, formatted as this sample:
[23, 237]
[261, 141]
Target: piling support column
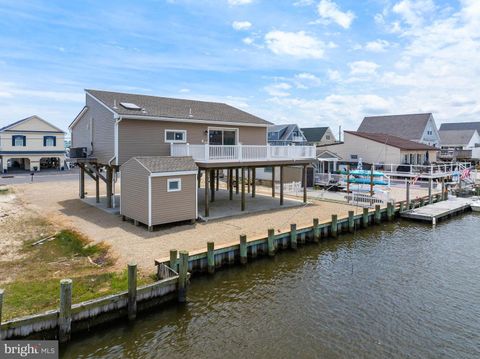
[211, 257]
[243, 249]
[254, 178]
[281, 185]
[65, 312]
[271, 242]
[408, 194]
[248, 179]
[304, 174]
[217, 179]
[316, 231]
[207, 212]
[109, 186]
[97, 188]
[237, 188]
[82, 182]
[390, 211]
[182, 277]
[351, 221]
[430, 199]
[243, 189]
[273, 181]
[365, 218]
[378, 214]
[334, 228]
[212, 185]
[230, 184]
[401, 207]
[173, 260]
[293, 236]
[132, 291]
[199, 177]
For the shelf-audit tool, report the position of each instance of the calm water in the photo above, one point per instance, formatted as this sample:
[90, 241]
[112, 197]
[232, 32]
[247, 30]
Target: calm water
[400, 290]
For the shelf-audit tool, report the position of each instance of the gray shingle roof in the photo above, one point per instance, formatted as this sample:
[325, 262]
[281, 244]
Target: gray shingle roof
[175, 108]
[284, 130]
[393, 141]
[456, 137]
[314, 134]
[461, 126]
[409, 126]
[158, 164]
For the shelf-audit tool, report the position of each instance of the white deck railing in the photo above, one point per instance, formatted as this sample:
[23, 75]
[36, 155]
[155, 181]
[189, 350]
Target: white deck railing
[441, 168]
[212, 153]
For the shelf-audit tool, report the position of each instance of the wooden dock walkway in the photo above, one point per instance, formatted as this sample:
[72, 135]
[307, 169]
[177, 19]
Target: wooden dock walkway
[436, 211]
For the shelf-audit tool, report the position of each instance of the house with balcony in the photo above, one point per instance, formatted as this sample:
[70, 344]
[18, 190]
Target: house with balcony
[31, 144]
[114, 127]
[459, 145]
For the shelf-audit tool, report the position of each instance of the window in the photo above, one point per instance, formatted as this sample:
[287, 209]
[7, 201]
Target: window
[327, 137]
[18, 140]
[174, 185]
[175, 136]
[405, 159]
[354, 157]
[49, 141]
[225, 137]
[268, 169]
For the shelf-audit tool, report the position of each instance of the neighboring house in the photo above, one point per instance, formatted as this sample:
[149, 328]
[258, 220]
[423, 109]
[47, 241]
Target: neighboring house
[115, 127]
[381, 148]
[283, 135]
[319, 135]
[414, 127]
[460, 126]
[459, 145]
[31, 144]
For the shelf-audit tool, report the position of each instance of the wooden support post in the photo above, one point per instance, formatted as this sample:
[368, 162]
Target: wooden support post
[248, 179]
[243, 189]
[237, 181]
[430, 199]
[365, 218]
[281, 185]
[351, 221]
[443, 189]
[408, 194]
[254, 179]
[293, 236]
[173, 264]
[97, 188]
[273, 181]
[212, 185]
[271, 242]
[243, 249]
[65, 312]
[199, 177]
[316, 231]
[401, 207]
[334, 228]
[230, 183]
[182, 277]
[109, 187]
[348, 183]
[211, 257]
[132, 291]
[304, 174]
[217, 178]
[82, 182]
[389, 211]
[378, 214]
[206, 199]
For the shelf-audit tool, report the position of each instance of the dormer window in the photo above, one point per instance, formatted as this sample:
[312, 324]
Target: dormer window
[19, 141]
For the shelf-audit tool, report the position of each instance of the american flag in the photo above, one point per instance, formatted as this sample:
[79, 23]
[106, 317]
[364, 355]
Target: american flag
[465, 173]
[415, 179]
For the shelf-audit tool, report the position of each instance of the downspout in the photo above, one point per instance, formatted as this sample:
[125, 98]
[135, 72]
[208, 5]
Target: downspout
[118, 119]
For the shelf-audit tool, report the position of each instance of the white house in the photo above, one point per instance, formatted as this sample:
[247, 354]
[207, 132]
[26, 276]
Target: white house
[460, 145]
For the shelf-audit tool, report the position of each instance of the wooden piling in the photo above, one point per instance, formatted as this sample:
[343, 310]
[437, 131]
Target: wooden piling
[65, 312]
[132, 291]
[281, 185]
[243, 249]
[173, 260]
[248, 179]
[206, 195]
[237, 181]
[334, 228]
[254, 179]
[401, 207]
[304, 175]
[82, 182]
[97, 188]
[243, 189]
[378, 214]
[293, 236]
[273, 181]
[390, 211]
[365, 218]
[109, 186]
[302, 238]
[271, 242]
[230, 184]
[211, 257]
[182, 277]
[351, 221]
[430, 199]
[316, 231]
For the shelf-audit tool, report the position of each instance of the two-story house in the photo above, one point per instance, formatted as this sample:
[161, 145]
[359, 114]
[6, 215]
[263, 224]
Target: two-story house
[419, 127]
[460, 145]
[289, 134]
[31, 144]
[115, 127]
[319, 135]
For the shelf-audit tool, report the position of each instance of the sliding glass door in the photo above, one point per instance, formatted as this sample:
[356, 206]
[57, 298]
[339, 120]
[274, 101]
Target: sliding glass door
[222, 137]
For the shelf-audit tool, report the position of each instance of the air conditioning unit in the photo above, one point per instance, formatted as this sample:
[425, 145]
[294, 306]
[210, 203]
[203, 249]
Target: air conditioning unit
[78, 152]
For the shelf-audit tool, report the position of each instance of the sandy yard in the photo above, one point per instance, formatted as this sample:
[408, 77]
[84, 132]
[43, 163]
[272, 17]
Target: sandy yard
[59, 202]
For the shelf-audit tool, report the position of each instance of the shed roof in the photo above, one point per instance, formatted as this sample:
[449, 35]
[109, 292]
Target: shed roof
[314, 134]
[460, 126]
[174, 108]
[393, 141]
[456, 137]
[158, 164]
[409, 126]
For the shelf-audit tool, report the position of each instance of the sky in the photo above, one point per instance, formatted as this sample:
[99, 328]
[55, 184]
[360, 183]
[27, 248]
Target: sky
[311, 62]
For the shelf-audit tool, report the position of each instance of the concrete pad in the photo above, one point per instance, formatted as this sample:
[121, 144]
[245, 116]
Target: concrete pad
[90, 200]
[224, 207]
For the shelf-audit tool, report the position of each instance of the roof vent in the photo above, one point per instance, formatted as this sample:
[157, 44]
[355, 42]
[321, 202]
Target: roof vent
[115, 105]
[130, 106]
[190, 113]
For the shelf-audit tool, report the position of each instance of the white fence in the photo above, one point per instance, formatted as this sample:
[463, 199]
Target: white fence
[294, 188]
[242, 152]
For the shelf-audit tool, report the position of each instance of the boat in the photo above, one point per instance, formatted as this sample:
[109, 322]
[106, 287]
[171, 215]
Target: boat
[475, 206]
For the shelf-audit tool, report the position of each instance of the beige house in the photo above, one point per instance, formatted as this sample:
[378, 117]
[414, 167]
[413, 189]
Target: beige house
[114, 127]
[381, 148]
[319, 135]
[31, 144]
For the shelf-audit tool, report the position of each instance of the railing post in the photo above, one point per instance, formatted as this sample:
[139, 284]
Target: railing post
[182, 277]
[132, 291]
[188, 149]
[271, 242]
[293, 236]
[240, 152]
[206, 152]
[210, 257]
[65, 312]
[243, 249]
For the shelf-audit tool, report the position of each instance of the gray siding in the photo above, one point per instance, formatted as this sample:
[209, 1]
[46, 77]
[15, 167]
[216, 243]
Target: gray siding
[134, 191]
[146, 137]
[170, 207]
[81, 132]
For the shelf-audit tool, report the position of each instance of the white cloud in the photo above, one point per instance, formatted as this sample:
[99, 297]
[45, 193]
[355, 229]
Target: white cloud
[334, 75]
[330, 11]
[413, 11]
[377, 45]
[296, 44]
[278, 89]
[241, 25]
[239, 2]
[303, 3]
[363, 68]
[305, 80]
[248, 40]
[185, 90]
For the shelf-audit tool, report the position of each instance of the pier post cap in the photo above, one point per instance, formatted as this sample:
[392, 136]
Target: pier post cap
[184, 253]
[334, 216]
[293, 225]
[2, 291]
[65, 281]
[351, 213]
[271, 231]
[315, 220]
[173, 251]
[132, 264]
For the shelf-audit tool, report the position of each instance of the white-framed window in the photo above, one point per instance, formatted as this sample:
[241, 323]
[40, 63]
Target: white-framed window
[175, 136]
[174, 184]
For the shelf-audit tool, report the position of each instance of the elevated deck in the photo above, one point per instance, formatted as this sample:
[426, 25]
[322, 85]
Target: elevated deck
[440, 210]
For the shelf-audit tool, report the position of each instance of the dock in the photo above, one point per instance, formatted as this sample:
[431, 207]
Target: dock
[440, 210]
